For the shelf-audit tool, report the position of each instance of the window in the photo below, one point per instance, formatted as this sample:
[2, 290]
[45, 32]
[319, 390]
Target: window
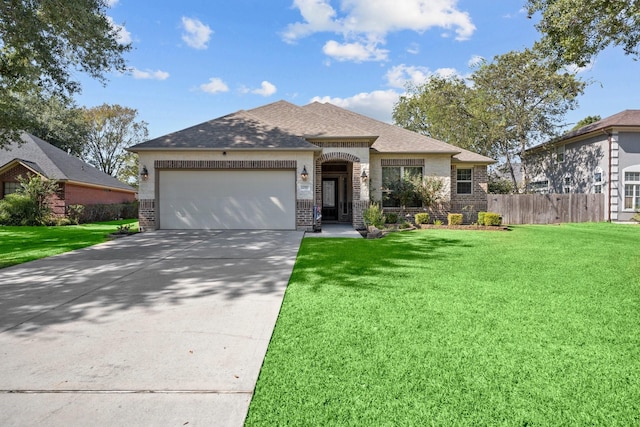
[10, 187]
[632, 190]
[392, 175]
[560, 154]
[566, 185]
[464, 181]
[540, 187]
[597, 181]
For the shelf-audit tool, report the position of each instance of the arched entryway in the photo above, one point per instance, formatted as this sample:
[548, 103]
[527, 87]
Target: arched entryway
[338, 186]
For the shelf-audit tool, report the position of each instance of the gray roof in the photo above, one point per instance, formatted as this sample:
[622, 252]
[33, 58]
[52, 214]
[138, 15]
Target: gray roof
[53, 163]
[238, 131]
[282, 125]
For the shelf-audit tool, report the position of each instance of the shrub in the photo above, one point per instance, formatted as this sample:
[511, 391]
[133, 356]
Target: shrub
[373, 215]
[454, 219]
[98, 213]
[406, 224]
[481, 218]
[392, 218]
[74, 213]
[422, 218]
[492, 219]
[437, 222]
[19, 209]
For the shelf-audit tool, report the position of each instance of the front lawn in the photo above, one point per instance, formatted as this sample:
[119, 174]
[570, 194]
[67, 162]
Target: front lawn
[22, 244]
[532, 327]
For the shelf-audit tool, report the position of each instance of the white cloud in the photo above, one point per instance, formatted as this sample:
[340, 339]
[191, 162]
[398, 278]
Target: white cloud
[266, 89]
[149, 74]
[377, 104]
[111, 3]
[124, 36]
[574, 69]
[413, 49]
[196, 34]
[356, 52]
[402, 74]
[372, 20]
[215, 85]
[475, 60]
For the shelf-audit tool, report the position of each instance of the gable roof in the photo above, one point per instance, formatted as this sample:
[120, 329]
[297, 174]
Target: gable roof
[241, 130]
[623, 119]
[53, 163]
[282, 125]
[394, 139]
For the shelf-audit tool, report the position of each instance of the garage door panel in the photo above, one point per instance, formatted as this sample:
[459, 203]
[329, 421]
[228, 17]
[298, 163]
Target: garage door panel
[227, 199]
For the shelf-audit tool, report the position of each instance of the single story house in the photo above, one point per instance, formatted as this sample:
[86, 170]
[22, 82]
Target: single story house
[282, 166]
[602, 157]
[79, 183]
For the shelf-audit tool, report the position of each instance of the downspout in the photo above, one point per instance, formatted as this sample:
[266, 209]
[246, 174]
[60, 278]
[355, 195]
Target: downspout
[609, 177]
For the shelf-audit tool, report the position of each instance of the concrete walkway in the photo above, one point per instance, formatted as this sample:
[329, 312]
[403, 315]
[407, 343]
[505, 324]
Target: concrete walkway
[161, 328]
[336, 230]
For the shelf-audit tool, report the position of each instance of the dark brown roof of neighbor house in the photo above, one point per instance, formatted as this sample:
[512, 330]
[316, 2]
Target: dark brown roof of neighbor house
[626, 118]
[282, 125]
[53, 163]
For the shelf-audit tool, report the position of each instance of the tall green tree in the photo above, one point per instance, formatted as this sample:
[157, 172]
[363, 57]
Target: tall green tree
[56, 120]
[507, 105]
[112, 129]
[43, 43]
[445, 108]
[575, 31]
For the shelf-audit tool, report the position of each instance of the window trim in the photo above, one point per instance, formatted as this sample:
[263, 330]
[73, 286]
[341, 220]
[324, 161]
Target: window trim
[560, 153]
[470, 181]
[6, 184]
[635, 185]
[598, 183]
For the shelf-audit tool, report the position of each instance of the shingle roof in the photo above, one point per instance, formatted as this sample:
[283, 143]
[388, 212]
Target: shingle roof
[394, 139]
[621, 119]
[240, 131]
[54, 163]
[282, 125]
[626, 118]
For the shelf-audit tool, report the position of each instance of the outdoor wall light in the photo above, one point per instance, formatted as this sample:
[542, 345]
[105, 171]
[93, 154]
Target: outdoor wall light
[364, 175]
[144, 174]
[304, 175]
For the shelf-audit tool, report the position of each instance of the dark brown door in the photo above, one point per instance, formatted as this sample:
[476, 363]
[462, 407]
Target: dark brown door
[330, 199]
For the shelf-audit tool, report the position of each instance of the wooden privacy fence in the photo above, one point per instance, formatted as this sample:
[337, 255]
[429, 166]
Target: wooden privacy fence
[547, 208]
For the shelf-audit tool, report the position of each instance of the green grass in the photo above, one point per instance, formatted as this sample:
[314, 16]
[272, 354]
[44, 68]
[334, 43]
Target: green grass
[22, 244]
[533, 327]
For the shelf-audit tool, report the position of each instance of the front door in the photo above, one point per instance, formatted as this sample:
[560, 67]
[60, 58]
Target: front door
[330, 199]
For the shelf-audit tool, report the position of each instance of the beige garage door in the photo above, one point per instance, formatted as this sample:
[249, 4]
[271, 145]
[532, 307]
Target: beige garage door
[230, 200]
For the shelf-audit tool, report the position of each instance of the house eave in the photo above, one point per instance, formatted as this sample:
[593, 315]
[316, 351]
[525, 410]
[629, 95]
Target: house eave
[255, 149]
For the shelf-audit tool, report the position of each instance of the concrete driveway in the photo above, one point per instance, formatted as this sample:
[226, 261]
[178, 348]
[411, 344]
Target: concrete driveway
[161, 328]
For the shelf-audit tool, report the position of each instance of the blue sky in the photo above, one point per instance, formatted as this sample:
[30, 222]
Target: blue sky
[195, 60]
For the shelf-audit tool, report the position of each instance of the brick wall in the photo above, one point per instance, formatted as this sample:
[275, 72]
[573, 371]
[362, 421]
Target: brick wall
[147, 214]
[304, 215]
[470, 204]
[81, 195]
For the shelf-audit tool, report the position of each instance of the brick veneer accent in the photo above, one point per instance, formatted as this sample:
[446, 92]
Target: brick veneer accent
[402, 162]
[358, 206]
[304, 215]
[225, 164]
[147, 214]
[470, 204]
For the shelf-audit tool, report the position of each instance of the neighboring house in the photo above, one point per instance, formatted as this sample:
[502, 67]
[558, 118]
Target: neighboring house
[281, 166]
[79, 183]
[602, 157]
